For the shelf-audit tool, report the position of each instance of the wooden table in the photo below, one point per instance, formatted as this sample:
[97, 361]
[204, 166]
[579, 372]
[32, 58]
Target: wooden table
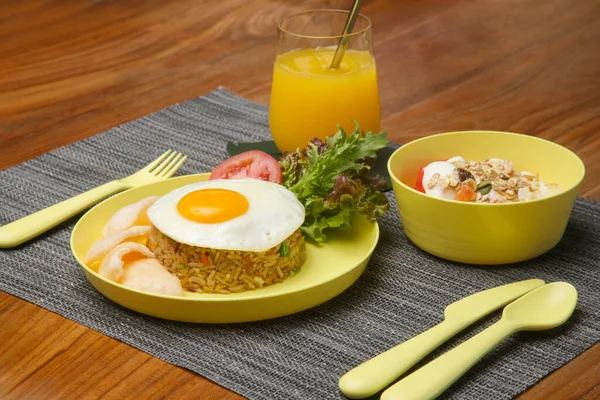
[71, 69]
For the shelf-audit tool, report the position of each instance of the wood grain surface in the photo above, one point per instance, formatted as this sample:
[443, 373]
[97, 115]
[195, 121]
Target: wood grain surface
[71, 69]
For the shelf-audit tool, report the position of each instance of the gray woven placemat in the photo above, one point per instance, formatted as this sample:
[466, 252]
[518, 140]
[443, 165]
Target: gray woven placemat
[402, 292]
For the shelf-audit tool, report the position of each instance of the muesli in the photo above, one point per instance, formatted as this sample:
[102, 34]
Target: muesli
[491, 180]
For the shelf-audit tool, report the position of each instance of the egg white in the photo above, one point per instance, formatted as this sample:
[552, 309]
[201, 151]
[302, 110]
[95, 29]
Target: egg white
[274, 213]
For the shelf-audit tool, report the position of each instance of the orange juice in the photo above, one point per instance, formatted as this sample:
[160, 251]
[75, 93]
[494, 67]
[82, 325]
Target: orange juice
[309, 100]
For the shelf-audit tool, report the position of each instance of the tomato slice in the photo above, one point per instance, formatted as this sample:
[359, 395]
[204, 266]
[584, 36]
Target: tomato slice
[419, 185]
[250, 164]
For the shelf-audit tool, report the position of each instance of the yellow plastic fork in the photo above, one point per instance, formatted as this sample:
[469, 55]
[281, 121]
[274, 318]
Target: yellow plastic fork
[33, 225]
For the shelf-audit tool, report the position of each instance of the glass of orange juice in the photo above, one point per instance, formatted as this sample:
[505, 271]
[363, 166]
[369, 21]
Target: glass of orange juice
[308, 98]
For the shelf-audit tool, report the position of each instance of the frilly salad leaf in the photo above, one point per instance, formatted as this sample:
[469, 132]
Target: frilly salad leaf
[330, 179]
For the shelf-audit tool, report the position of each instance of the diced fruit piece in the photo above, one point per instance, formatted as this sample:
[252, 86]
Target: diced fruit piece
[465, 193]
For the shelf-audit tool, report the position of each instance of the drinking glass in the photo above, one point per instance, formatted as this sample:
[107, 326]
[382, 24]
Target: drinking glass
[308, 98]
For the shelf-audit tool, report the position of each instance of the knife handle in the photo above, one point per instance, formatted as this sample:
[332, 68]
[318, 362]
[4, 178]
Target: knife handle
[430, 381]
[376, 373]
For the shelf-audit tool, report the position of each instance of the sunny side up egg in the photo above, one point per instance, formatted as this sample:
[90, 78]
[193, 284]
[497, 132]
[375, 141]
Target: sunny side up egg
[237, 214]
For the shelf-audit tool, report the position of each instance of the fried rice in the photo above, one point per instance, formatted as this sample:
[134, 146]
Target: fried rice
[206, 270]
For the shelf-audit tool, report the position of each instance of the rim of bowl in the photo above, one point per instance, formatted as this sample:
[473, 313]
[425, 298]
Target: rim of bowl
[185, 298]
[395, 178]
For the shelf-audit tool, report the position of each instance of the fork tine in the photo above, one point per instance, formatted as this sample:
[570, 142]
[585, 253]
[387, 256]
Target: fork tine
[166, 166]
[159, 168]
[154, 163]
[172, 169]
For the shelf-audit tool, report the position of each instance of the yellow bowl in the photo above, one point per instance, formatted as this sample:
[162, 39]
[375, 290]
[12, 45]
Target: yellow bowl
[486, 233]
[328, 270]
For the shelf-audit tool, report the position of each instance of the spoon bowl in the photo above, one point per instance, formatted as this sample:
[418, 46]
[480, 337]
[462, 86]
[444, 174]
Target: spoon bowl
[544, 308]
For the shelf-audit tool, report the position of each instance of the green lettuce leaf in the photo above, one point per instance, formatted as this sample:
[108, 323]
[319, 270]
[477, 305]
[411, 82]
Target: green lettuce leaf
[330, 179]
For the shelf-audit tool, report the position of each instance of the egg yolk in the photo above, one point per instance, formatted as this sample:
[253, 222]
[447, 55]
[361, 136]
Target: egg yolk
[211, 206]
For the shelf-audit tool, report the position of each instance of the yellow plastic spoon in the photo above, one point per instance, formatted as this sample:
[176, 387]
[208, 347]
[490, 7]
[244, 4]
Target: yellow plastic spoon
[543, 308]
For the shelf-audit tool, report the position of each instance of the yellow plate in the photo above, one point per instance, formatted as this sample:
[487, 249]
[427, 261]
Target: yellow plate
[328, 271]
